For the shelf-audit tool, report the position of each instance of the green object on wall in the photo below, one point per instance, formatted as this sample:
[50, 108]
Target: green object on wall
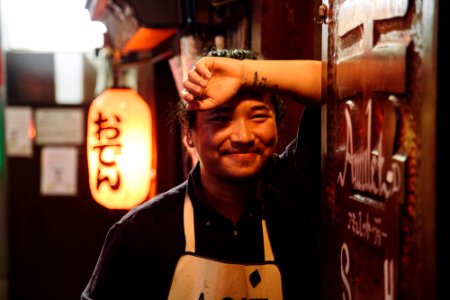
[2, 138]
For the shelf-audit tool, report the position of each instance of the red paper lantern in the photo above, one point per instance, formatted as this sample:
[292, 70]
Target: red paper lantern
[120, 149]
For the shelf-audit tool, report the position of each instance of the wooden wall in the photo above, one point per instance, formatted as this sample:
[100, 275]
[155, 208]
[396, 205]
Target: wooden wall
[380, 175]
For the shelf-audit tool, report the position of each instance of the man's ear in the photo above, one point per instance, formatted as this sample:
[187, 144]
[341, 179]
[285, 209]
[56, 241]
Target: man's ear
[189, 140]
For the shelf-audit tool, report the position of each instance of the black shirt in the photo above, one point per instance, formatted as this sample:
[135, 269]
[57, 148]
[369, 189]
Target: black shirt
[140, 252]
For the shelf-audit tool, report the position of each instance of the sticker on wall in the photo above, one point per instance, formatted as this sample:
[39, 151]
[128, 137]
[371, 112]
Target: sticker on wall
[19, 131]
[59, 167]
[59, 126]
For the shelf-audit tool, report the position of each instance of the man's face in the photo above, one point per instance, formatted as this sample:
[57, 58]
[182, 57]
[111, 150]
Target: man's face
[235, 140]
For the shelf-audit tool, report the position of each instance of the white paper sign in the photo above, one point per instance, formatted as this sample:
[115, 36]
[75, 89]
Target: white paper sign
[19, 131]
[59, 126]
[59, 167]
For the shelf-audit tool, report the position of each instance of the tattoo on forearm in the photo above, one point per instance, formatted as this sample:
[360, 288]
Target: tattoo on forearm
[255, 80]
[261, 84]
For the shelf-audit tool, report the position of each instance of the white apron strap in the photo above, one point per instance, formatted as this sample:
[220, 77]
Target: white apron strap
[268, 254]
[188, 221]
[189, 232]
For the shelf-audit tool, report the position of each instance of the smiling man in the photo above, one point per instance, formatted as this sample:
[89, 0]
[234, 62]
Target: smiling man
[234, 140]
[244, 224]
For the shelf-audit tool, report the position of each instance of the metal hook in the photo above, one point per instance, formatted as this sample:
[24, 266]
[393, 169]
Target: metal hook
[323, 15]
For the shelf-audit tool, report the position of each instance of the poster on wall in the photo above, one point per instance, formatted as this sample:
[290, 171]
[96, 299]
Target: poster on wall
[19, 131]
[59, 167]
[59, 126]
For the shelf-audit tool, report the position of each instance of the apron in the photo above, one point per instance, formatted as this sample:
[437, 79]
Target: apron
[200, 278]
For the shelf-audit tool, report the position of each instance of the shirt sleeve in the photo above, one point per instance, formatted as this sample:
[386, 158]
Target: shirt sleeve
[293, 207]
[108, 280]
[121, 271]
[307, 158]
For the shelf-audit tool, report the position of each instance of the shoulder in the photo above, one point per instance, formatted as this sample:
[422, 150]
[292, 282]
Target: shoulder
[145, 228]
[161, 208]
[141, 249]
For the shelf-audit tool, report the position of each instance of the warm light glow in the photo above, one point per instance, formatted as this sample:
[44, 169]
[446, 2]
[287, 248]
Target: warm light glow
[119, 146]
[50, 25]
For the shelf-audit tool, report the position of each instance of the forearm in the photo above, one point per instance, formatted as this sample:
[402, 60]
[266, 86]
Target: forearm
[301, 79]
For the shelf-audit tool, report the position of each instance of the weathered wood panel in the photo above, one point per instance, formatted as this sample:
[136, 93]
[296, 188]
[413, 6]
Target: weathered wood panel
[378, 200]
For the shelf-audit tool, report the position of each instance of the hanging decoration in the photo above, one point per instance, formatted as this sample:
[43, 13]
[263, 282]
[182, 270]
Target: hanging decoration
[119, 146]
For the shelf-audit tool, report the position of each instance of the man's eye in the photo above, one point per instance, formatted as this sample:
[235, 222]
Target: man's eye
[220, 119]
[260, 116]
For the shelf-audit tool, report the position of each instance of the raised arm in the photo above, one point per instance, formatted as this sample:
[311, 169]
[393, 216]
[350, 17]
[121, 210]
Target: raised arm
[214, 80]
[300, 78]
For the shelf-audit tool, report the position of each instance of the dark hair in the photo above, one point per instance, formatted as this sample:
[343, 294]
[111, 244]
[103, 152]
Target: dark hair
[187, 117]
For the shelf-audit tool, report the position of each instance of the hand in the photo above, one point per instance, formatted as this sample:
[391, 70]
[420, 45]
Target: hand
[212, 82]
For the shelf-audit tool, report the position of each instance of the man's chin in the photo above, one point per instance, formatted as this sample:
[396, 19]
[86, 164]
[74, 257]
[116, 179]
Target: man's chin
[242, 177]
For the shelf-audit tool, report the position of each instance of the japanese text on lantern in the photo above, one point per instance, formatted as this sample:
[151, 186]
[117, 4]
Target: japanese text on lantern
[109, 149]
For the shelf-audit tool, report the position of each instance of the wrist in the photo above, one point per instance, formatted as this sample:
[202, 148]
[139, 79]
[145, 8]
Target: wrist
[248, 74]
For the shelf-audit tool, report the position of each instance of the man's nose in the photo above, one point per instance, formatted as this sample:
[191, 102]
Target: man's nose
[241, 132]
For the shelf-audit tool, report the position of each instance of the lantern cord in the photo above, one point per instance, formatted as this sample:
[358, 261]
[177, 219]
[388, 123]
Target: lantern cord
[116, 69]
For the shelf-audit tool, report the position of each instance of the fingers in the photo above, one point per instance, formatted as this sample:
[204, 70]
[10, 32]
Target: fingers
[202, 67]
[193, 103]
[196, 77]
[193, 88]
[191, 91]
[192, 94]
[185, 95]
[196, 81]
[199, 75]
[195, 84]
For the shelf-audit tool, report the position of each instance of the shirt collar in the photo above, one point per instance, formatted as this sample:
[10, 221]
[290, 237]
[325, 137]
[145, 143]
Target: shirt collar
[194, 190]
